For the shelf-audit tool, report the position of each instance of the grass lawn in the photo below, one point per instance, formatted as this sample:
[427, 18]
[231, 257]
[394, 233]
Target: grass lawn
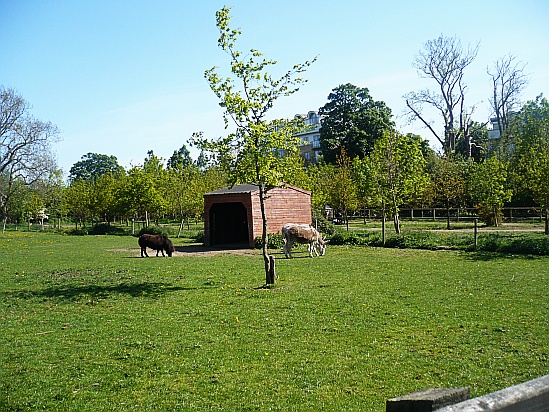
[87, 325]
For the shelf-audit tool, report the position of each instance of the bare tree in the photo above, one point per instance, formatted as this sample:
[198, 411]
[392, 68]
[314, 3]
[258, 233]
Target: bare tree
[25, 152]
[444, 60]
[508, 81]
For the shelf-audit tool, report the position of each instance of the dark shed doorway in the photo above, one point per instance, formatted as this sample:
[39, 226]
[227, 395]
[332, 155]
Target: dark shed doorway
[228, 224]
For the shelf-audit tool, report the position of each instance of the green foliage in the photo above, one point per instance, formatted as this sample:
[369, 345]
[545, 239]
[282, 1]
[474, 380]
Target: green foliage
[528, 244]
[530, 155]
[488, 188]
[352, 120]
[252, 153]
[180, 159]
[104, 229]
[274, 241]
[152, 230]
[258, 151]
[94, 165]
[340, 238]
[323, 225]
[341, 189]
[397, 171]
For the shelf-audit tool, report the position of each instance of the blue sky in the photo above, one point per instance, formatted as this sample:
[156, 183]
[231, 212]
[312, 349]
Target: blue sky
[125, 77]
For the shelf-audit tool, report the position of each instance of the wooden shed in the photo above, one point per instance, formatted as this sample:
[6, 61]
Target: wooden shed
[232, 216]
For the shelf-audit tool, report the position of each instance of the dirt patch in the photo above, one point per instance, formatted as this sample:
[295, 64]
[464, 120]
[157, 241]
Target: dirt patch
[196, 250]
[205, 251]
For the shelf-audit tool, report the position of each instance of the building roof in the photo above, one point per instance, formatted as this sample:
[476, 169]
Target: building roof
[248, 188]
[235, 189]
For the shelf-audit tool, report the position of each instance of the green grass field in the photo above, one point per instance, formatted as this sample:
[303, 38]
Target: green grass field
[87, 325]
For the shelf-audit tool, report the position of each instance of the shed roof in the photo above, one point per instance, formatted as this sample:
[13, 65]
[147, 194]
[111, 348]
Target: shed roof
[235, 189]
[249, 188]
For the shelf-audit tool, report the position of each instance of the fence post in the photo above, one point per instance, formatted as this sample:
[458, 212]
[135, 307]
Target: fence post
[427, 400]
[271, 274]
[476, 232]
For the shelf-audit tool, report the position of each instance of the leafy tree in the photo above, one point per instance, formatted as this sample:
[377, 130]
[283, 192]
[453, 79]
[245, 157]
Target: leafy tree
[449, 178]
[352, 120]
[93, 165]
[104, 200]
[444, 60]
[253, 152]
[25, 153]
[180, 159]
[78, 200]
[141, 195]
[51, 190]
[343, 194]
[186, 192]
[529, 132]
[320, 175]
[397, 170]
[14, 203]
[488, 188]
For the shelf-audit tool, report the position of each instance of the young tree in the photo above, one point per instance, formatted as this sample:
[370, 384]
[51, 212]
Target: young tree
[319, 175]
[448, 177]
[488, 188]
[444, 61]
[253, 152]
[352, 120]
[343, 194]
[530, 156]
[397, 169]
[186, 193]
[78, 200]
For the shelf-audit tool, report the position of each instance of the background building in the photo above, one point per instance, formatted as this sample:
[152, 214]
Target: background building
[310, 148]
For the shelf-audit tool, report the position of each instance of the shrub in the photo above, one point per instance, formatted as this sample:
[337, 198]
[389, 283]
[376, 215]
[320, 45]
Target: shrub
[104, 229]
[101, 229]
[324, 226]
[353, 238]
[77, 232]
[531, 244]
[152, 230]
[273, 242]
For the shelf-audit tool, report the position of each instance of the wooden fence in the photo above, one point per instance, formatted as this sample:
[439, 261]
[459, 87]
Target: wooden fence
[436, 213]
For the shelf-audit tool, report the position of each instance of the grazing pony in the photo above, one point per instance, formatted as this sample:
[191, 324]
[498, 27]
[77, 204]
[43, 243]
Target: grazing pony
[300, 233]
[160, 243]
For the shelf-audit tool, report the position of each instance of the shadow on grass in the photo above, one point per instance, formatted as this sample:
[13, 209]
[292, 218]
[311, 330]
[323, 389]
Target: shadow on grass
[149, 290]
[483, 256]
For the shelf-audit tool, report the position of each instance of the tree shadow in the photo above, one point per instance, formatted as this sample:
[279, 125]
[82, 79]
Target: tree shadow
[69, 293]
[218, 248]
[484, 256]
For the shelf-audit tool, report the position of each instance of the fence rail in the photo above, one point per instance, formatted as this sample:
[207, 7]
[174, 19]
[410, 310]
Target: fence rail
[439, 213]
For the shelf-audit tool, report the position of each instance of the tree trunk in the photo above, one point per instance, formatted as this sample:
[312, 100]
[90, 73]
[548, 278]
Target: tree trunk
[448, 217]
[396, 220]
[547, 220]
[383, 225]
[269, 273]
[181, 226]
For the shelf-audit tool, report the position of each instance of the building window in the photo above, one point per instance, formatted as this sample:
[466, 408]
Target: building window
[316, 141]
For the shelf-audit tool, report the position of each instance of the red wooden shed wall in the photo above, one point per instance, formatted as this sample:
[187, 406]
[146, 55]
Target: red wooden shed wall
[287, 204]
